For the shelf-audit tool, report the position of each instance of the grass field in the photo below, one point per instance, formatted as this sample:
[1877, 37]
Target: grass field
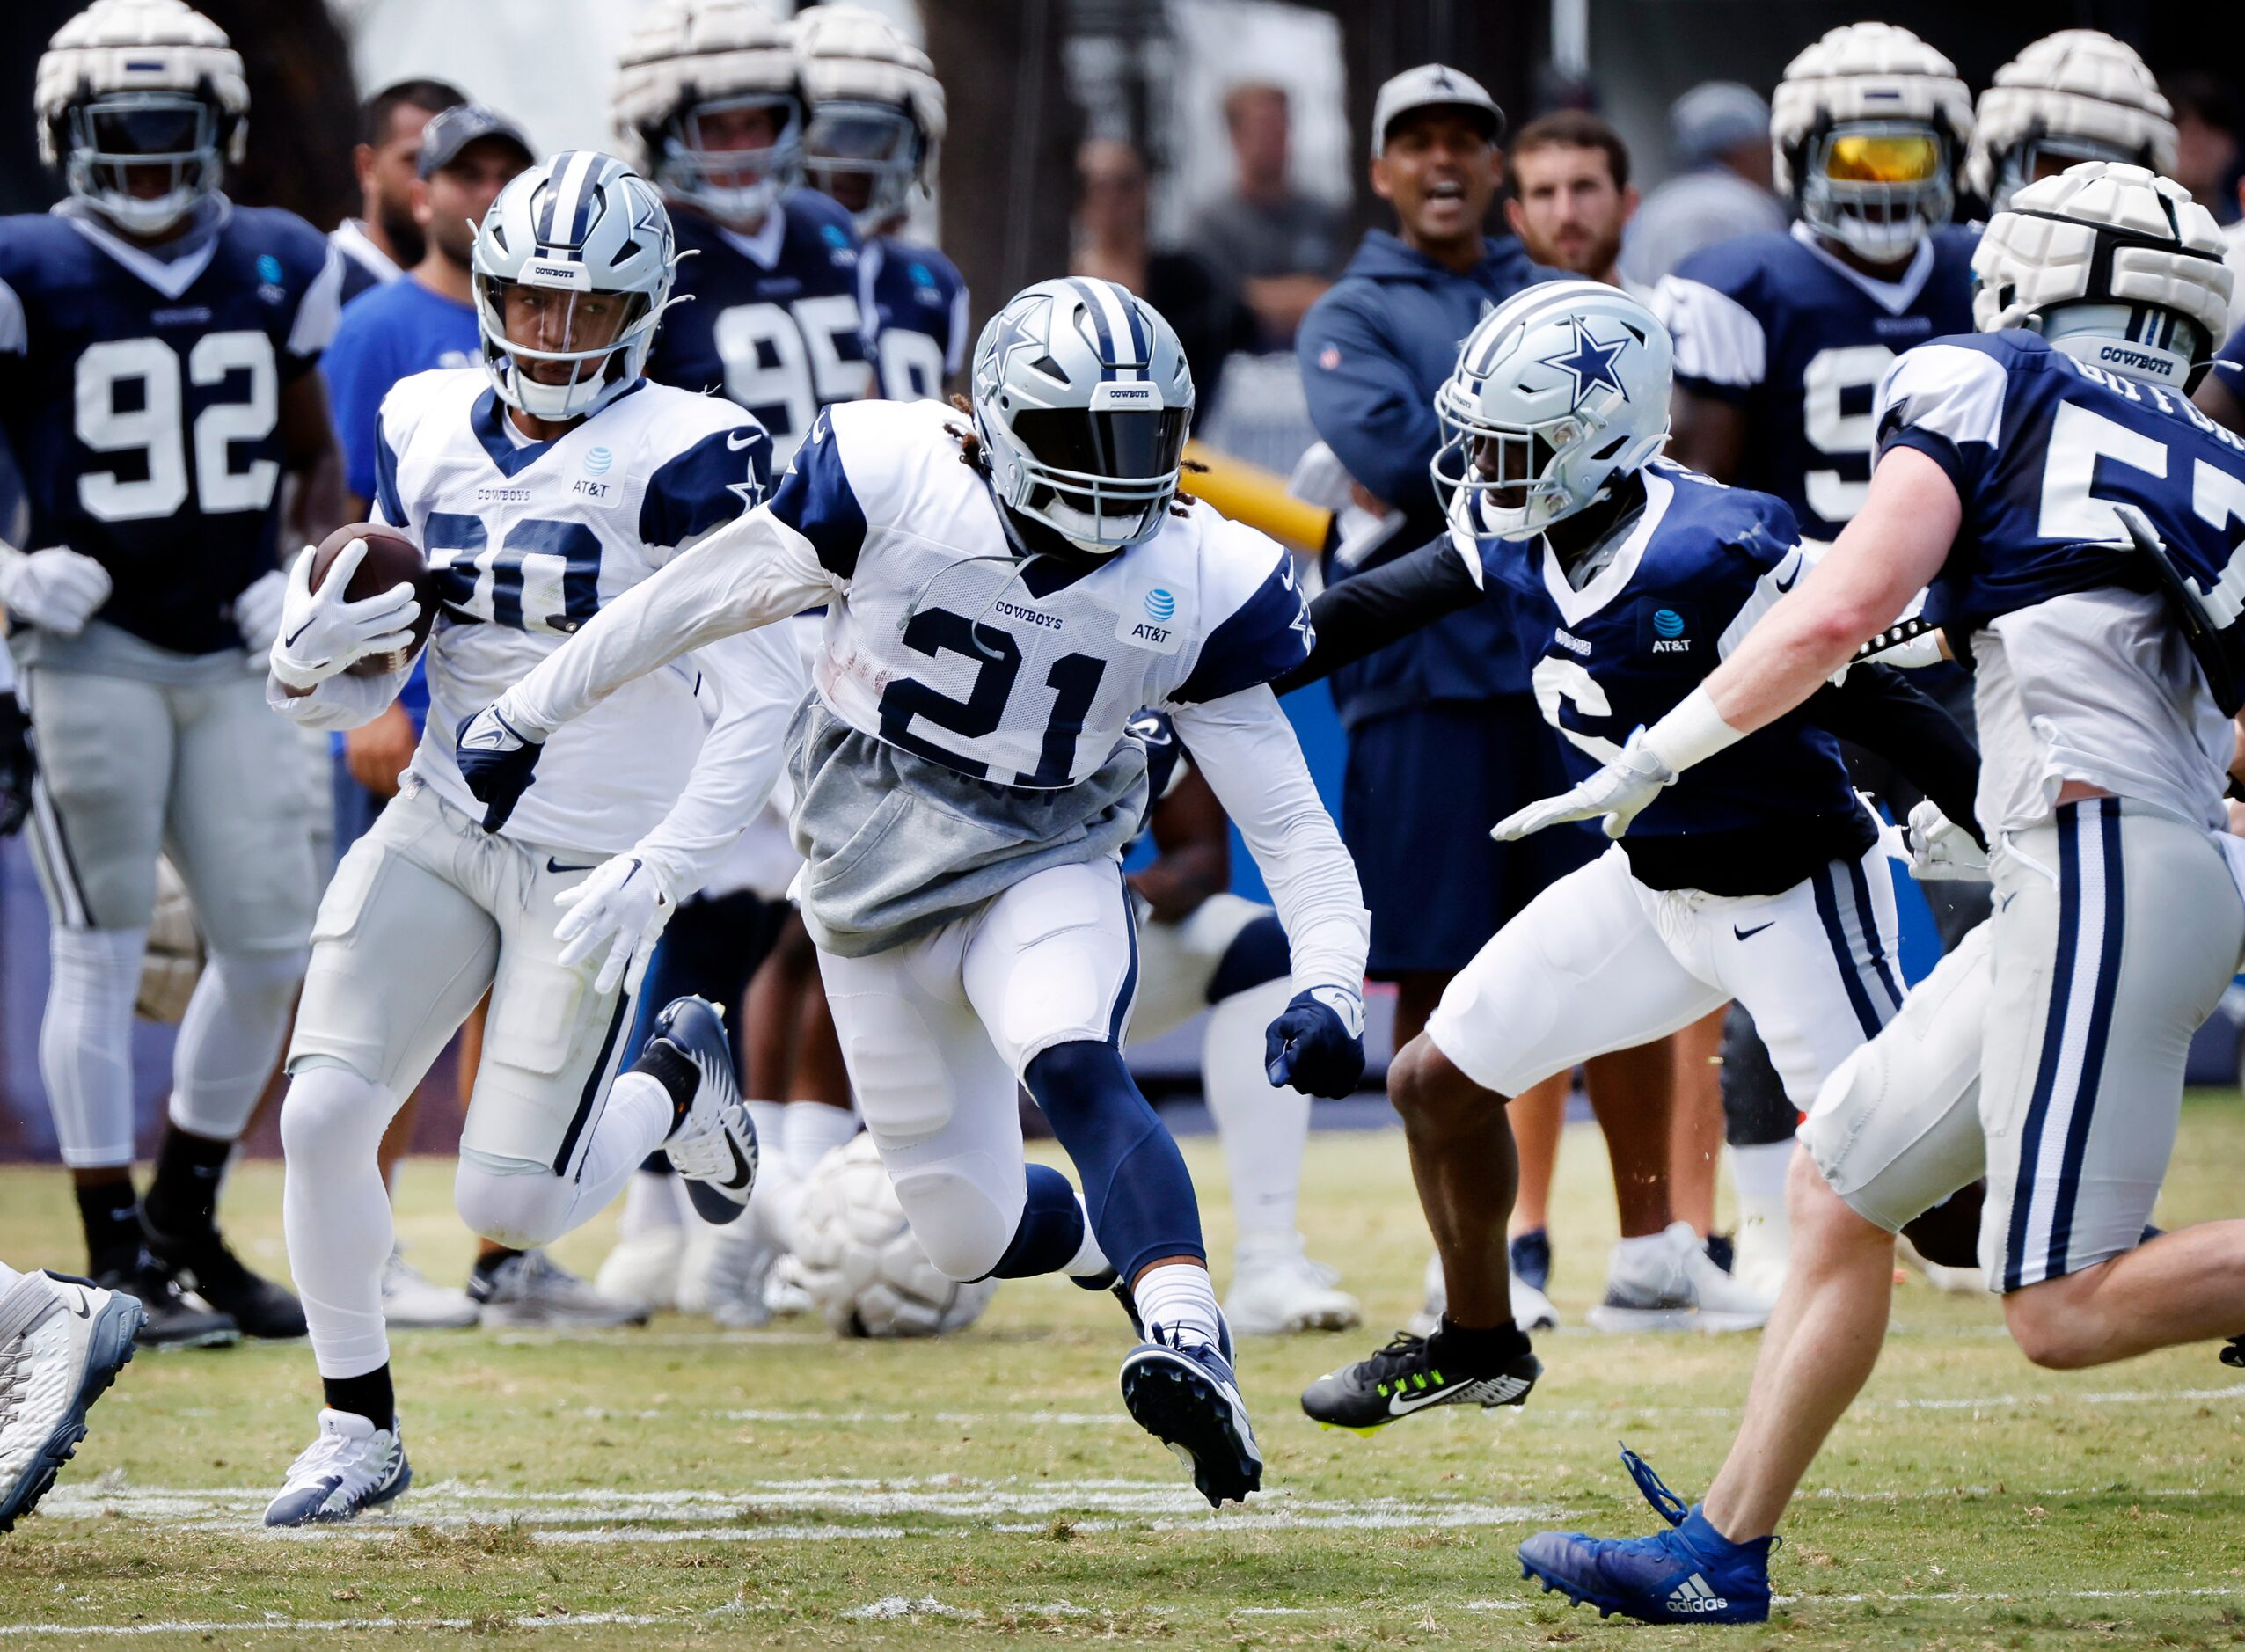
[680, 1486]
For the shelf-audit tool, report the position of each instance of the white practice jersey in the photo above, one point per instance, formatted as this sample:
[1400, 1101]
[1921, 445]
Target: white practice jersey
[1021, 671]
[529, 540]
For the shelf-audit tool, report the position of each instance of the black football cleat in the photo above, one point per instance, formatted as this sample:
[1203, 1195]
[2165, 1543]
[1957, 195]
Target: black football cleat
[1403, 1377]
[207, 1266]
[170, 1319]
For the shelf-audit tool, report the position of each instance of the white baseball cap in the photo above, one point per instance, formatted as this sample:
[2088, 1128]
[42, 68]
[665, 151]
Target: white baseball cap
[1428, 86]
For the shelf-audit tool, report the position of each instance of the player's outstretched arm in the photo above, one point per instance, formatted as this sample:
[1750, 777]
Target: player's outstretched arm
[1246, 747]
[1365, 612]
[1891, 550]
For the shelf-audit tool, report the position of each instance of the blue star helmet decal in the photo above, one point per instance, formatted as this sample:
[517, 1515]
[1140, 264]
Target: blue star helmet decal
[1590, 362]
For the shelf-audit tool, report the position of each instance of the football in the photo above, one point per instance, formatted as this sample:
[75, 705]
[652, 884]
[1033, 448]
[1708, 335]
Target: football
[391, 558]
[865, 1271]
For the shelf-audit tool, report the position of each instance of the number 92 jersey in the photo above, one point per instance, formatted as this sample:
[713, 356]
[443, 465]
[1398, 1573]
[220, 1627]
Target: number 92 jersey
[1777, 326]
[1020, 671]
[529, 540]
[778, 321]
[140, 393]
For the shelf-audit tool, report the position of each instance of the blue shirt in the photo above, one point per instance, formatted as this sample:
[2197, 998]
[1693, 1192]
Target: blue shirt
[389, 332]
[920, 301]
[1780, 328]
[1373, 350]
[139, 394]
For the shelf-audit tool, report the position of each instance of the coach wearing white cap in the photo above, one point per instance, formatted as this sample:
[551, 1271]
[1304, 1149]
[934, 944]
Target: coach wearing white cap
[1443, 734]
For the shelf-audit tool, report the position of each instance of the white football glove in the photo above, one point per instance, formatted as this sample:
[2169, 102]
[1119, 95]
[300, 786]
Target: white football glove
[1942, 852]
[256, 610]
[56, 589]
[1620, 792]
[321, 632]
[621, 905]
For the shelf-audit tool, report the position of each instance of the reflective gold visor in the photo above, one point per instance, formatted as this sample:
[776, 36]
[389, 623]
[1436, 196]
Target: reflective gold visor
[1883, 158]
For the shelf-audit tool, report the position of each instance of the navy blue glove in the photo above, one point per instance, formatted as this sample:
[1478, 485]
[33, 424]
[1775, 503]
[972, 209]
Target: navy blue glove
[1317, 1045]
[17, 767]
[498, 761]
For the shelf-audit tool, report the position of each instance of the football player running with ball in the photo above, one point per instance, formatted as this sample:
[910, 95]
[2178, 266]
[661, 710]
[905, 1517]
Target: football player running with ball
[1760, 879]
[1000, 600]
[541, 485]
[2077, 518]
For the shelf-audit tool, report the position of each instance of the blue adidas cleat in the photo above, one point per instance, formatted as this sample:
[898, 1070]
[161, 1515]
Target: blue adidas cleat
[1186, 1396]
[1689, 1574]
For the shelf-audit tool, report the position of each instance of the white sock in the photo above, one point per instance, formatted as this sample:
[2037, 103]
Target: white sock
[813, 1130]
[230, 1038]
[1757, 1176]
[1264, 1129]
[639, 1114]
[335, 1213]
[650, 1206]
[1647, 1253]
[86, 1041]
[771, 1119]
[1179, 1297]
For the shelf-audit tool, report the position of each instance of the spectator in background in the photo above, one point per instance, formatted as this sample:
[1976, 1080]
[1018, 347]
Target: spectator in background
[1444, 736]
[2206, 147]
[385, 241]
[1111, 243]
[1571, 196]
[1280, 248]
[1719, 131]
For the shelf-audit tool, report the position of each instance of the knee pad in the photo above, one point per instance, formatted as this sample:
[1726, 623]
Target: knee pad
[257, 984]
[512, 1201]
[963, 1211]
[331, 1109]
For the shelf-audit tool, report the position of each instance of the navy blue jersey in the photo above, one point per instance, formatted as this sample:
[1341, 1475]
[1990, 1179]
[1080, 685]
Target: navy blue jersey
[1778, 325]
[1701, 564]
[920, 304]
[775, 321]
[141, 397]
[2075, 438]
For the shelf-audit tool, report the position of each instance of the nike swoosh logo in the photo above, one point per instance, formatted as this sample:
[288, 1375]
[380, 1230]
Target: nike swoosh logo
[738, 440]
[290, 641]
[1787, 585]
[740, 1178]
[76, 1304]
[1398, 1407]
[1748, 935]
[551, 864]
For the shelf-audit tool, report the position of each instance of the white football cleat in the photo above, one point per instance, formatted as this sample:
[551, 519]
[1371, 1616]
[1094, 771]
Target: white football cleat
[1674, 1286]
[1278, 1291]
[412, 1302]
[533, 1292]
[351, 1467]
[643, 1268]
[63, 1341]
[725, 1273]
[785, 1293]
[1763, 1251]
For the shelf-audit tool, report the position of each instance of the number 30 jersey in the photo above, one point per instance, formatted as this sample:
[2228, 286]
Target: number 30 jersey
[1781, 327]
[1023, 671]
[139, 394]
[2082, 669]
[777, 322]
[529, 539]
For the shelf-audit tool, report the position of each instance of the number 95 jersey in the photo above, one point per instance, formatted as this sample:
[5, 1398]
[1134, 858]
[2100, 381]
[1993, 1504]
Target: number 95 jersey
[1023, 671]
[140, 392]
[529, 539]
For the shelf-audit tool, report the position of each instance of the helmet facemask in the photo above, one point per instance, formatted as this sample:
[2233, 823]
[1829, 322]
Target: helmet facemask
[2046, 156]
[1100, 478]
[704, 163]
[119, 143]
[866, 157]
[1508, 482]
[590, 333]
[1878, 187]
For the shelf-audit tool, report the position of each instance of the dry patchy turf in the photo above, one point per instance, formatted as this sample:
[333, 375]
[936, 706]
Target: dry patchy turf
[680, 1486]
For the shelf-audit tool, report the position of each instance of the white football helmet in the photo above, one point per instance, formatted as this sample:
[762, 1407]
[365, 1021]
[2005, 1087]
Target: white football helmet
[584, 227]
[687, 65]
[2113, 265]
[1083, 400]
[876, 110]
[1557, 391]
[128, 88]
[1866, 131]
[2077, 95]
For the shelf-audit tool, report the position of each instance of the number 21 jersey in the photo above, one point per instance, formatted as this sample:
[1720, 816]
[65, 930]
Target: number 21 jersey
[139, 395]
[1778, 325]
[529, 539]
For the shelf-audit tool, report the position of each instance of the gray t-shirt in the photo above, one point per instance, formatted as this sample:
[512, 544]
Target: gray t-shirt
[1245, 240]
[1694, 210]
